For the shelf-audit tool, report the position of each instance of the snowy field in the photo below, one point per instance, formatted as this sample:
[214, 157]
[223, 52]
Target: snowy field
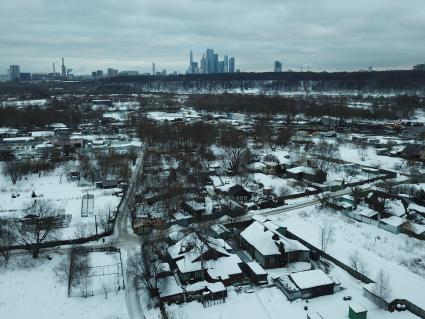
[64, 194]
[395, 253]
[369, 157]
[30, 289]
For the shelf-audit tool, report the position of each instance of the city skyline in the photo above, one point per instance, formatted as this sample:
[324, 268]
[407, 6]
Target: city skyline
[324, 36]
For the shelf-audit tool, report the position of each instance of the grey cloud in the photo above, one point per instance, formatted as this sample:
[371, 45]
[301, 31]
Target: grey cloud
[131, 34]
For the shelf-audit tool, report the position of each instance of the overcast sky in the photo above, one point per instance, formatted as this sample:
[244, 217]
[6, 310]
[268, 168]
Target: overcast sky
[131, 34]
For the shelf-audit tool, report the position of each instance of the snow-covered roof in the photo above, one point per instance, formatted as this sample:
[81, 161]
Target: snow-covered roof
[311, 278]
[18, 139]
[366, 212]
[418, 208]
[301, 169]
[224, 267]
[220, 268]
[395, 207]
[42, 133]
[185, 247]
[261, 234]
[394, 221]
[357, 308]
[219, 229]
[201, 285]
[256, 268]
[6, 130]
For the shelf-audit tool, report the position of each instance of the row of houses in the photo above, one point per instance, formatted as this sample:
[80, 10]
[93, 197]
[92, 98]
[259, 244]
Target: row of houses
[200, 267]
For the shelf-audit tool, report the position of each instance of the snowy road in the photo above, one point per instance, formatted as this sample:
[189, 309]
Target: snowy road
[287, 208]
[128, 241]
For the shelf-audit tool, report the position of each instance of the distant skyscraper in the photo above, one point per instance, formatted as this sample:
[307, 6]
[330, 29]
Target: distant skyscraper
[216, 64]
[14, 73]
[232, 65]
[202, 70]
[153, 68]
[209, 61]
[112, 72]
[63, 69]
[226, 64]
[277, 66]
[191, 71]
[195, 68]
[221, 66]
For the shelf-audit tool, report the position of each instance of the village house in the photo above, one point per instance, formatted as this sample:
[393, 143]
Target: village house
[266, 243]
[255, 272]
[306, 173]
[205, 258]
[306, 284]
[239, 194]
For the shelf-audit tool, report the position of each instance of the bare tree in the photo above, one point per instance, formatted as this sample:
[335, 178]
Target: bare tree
[358, 263]
[82, 272]
[144, 266]
[321, 153]
[326, 234]
[13, 169]
[382, 286]
[81, 230]
[105, 217]
[39, 225]
[235, 158]
[283, 136]
[7, 238]
[105, 289]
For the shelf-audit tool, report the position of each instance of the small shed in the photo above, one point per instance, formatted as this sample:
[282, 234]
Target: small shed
[393, 224]
[239, 193]
[356, 311]
[256, 273]
[314, 315]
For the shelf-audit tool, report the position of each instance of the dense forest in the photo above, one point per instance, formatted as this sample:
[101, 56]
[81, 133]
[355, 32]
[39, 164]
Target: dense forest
[343, 83]
[385, 82]
[389, 108]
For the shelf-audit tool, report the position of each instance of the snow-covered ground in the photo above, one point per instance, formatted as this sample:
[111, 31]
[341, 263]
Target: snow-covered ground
[395, 253]
[65, 195]
[368, 157]
[183, 114]
[271, 303]
[30, 289]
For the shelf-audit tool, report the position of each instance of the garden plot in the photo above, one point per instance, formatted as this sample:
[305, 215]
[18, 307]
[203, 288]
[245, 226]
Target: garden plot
[397, 254]
[278, 185]
[101, 274]
[31, 289]
[339, 175]
[368, 157]
[64, 195]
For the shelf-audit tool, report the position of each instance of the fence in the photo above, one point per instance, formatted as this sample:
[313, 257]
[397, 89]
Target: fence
[340, 264]
[366, 292]
[375, 299]
[114, 272]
